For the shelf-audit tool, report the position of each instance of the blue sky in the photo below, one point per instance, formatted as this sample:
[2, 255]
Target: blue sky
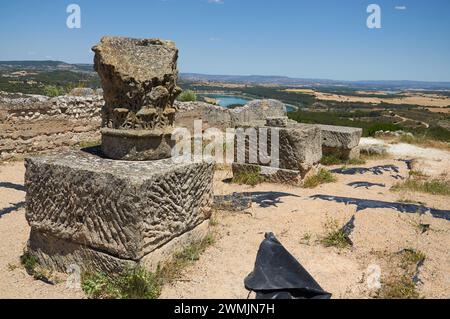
[297, 38]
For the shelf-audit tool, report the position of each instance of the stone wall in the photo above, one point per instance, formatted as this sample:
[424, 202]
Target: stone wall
[215, 116]
[34, 123]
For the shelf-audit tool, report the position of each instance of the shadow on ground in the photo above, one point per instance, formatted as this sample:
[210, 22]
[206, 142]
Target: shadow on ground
[17, 187]
[243, 201]
[363, 204]
[11, 209]
[367, 185]
[376, 170]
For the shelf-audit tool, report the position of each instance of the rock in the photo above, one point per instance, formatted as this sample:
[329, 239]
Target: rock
[124, 211]
[257, 110]
[373, 149]
[235, 202]
[82, 92]
[139, 80]
[341, 141]
[277, 121]
[299, 150]
[341, 137]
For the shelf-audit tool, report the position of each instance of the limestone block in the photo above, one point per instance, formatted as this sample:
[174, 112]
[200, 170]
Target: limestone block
[340, 136]
[121, 209]
[257, 110]
[299, 147]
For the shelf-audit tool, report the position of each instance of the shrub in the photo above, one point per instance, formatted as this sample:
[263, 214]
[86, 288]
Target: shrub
[53, 90]
[251, 178]
[434, 186]
[335, 235]
[322, 177]
[137, 282]
[188, 96]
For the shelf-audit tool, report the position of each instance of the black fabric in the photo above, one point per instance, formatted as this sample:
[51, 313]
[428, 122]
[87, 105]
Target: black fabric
[278, 275]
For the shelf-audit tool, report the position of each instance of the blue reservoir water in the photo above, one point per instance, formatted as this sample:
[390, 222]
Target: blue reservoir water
[228, 100]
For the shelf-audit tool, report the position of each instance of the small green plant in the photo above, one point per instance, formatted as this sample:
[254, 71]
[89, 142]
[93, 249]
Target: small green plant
[306, 239]
[213, 221]
[29, 262]
[188, 96]
[322, 177]
[138, 283]
[53, 90]
[333, 159]
[434, 186]
[251, 178]
[133, 283]
[398, 287]
[411, 257]
[32, 267]
[335, 235]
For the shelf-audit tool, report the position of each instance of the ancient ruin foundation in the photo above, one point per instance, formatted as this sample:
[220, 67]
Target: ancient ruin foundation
[91, 209]
[300, 150]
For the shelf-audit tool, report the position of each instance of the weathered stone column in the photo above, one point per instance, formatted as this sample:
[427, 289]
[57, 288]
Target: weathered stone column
[127, 204]
[139, 79]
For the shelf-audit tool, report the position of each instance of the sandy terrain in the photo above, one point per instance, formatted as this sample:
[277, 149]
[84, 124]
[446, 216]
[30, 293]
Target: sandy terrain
[422, 99]
[14, 231]
[291, 215]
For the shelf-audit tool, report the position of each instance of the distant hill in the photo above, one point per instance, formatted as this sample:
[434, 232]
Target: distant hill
[287, 81]
[48, 66]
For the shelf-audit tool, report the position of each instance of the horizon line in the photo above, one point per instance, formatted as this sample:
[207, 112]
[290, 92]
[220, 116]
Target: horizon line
[248, 75]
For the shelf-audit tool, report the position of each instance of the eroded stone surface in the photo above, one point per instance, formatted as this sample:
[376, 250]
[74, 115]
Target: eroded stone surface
[340, 136]
[257, 110]
[139, 80]
[123, 209]
[299, 146]
[58, 254]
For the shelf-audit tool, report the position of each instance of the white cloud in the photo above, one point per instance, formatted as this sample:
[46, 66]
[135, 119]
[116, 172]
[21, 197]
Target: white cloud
[400, 7]
[216, 1]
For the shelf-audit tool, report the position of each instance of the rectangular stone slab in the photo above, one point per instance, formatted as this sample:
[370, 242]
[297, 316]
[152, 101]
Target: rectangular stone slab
[123, 209]
[340, 136]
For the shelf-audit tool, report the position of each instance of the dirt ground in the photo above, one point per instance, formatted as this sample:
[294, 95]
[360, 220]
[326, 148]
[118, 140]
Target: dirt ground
[294, 216]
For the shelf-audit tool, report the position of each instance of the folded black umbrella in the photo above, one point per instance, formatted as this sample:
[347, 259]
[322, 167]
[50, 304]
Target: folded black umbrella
[278, 275]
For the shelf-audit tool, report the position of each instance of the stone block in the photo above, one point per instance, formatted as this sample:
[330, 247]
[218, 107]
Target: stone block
[257, 110]
[299, 147]
[340, 137]
[85, 208]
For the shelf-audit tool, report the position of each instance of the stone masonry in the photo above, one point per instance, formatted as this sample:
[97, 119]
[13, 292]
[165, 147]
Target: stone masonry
[80, 203]
[300, 150]
[91, 209]
[139, 79]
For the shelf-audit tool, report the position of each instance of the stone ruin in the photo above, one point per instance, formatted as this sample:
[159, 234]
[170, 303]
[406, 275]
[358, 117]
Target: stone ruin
[299, 152]
[139, 80]
[128, 203]
[301, 148]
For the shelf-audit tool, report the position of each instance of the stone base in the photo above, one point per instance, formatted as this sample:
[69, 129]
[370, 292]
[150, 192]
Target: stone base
[107, 214]
[58, 254]
[129, 145]
[273, 175]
